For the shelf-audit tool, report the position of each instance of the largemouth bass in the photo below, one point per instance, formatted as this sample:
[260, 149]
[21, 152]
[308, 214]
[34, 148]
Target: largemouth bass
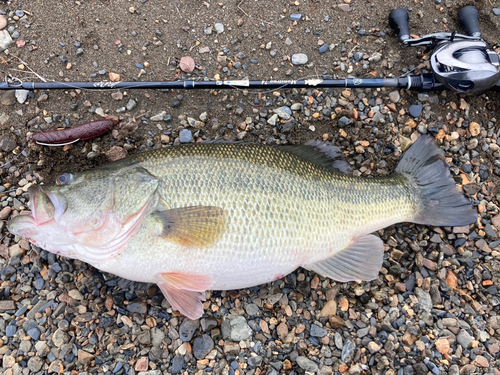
[228, 216]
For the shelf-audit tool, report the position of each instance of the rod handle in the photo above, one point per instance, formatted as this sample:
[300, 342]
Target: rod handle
[469, 17]
[399, 19]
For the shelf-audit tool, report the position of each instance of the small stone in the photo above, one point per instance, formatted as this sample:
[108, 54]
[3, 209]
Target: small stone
[394, 97]
[84, 357]
[114, 77]
[252, 309]
[116, 153]
[21, 95]
[185, 136]
[299, 59]
[424, 298]
[131, 104]
[10, 330]
[35, 364]
[306, 364]
[177, 364]
[373, 347]
[295, 17]
[187, 64]
[481, 361]
[348, 351]
[330, 308]
[159, 117]
[7, 305]
[188, 328]
[415, 110]
[5, 40]
[59, 338]
[283, 112]
[323, 48]
[442, 346]
[204, 50]
[282, 330]
[142, 364]
[202, 346]
[474, 129]
[317, 331]
[496, 11]
[3, 22]
[219, 27]
[8, 361]
[465, 339]
[117, 95]
[343, 122]
[137, 307]
[8, 98]
[240, 330]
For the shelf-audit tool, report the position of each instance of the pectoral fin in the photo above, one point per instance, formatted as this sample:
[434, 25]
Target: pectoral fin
[197, 226]
[361, 260]
[185, 292]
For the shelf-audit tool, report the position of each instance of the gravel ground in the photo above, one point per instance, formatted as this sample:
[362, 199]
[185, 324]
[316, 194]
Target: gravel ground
[433, 309]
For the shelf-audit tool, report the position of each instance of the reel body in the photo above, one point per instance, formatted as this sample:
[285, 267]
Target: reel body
[466, 66]
[461, 63]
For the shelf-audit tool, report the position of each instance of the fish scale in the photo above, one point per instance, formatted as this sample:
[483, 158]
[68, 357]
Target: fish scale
[227, 216]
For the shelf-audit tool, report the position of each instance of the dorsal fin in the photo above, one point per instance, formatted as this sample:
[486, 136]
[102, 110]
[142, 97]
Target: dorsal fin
[321, 153]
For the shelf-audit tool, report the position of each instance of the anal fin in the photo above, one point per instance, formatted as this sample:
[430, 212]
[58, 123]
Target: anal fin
[361, 260]
[185, 292]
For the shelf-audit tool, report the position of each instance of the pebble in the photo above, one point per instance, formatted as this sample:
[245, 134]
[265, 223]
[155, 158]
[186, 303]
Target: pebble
[306, 364]
[34, 333]
[8, 98]
[296, 17]
[188, 328]
[317, 331]
[187, 64]
[299, 59]
[178, 364]
[240, 330]
[283, 112]
[185, 136]
[496, 11]
[415, 110]
[10, 330]
[202, 346]
[219, 27]
[252, 309]
[394, 96]
[131, 104]
[323, 48]
[343, 122]
[35, 364]
[465, 339]
[159, 117]
[59, 338]
[348, 351]
[3, 22]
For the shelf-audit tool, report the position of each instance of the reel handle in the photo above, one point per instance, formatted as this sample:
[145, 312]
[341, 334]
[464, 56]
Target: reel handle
[399, 19]
[469, 18]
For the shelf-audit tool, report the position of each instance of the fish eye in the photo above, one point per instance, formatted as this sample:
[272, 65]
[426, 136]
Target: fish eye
[64, 179]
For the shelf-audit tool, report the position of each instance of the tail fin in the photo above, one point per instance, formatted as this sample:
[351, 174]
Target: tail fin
[426, 170]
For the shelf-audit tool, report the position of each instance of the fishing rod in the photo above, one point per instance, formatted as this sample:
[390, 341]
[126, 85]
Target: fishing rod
[461, 63]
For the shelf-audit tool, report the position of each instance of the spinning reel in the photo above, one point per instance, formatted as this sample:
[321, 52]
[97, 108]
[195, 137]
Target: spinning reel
[462, 63]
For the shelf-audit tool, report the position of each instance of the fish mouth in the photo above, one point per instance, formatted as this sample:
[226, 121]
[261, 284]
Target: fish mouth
[45, 205]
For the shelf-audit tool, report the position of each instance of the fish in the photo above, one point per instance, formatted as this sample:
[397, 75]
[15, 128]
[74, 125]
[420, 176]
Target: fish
[225, 216]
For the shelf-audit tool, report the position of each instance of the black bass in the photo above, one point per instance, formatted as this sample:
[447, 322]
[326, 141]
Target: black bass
[225, 216]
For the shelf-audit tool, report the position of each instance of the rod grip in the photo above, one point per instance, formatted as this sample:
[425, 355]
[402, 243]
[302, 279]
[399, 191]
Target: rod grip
[469, 17]
[399, 19]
